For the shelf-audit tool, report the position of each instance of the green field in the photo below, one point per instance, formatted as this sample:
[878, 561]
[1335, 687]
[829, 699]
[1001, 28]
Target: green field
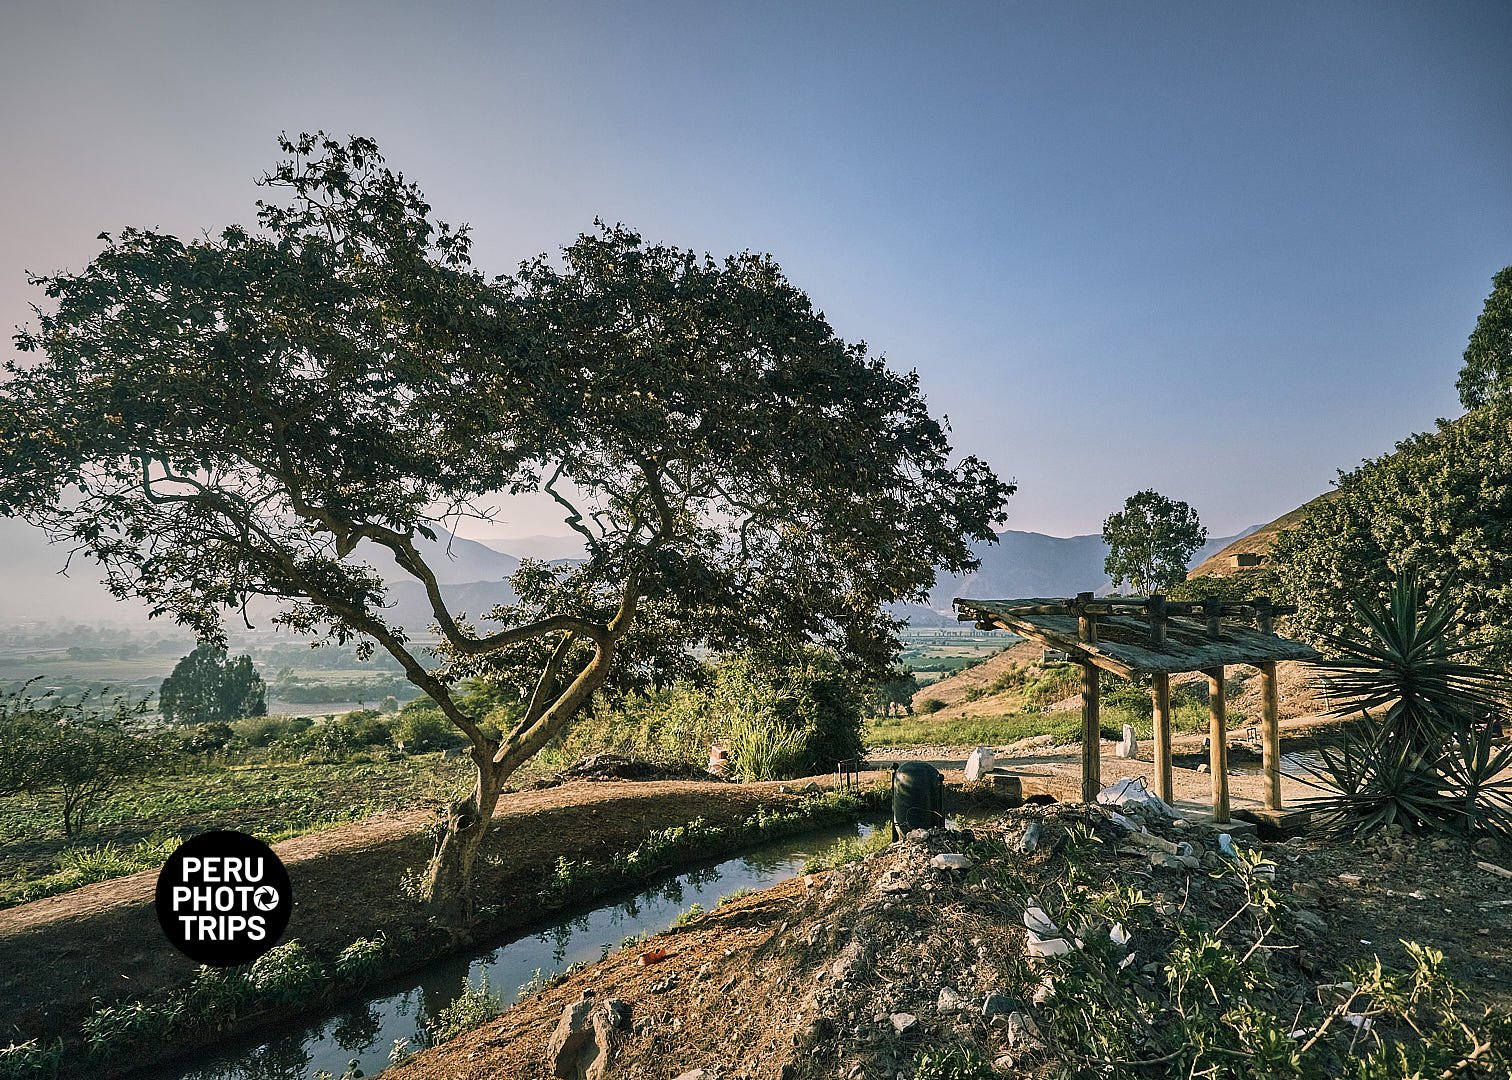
[136, 828]
[933, 654]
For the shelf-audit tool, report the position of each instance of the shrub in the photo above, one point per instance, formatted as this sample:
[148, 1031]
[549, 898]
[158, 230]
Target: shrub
[473, 1008]
[929, 705]
[420, 726]
[788, 714]
[286, 972]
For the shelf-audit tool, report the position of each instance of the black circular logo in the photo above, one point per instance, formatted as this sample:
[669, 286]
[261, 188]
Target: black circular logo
[223, 898]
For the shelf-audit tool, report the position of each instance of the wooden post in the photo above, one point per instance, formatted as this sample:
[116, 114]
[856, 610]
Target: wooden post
[1218, 736]
[1091, 733]
[1270, 712]
[1160, 698]
[1161, 695]
[1270, 748]
[1157, 609]
[1086, 630]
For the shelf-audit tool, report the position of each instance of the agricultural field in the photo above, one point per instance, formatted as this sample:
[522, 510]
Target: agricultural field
[933, 654]
[73, 660]
[137, 826]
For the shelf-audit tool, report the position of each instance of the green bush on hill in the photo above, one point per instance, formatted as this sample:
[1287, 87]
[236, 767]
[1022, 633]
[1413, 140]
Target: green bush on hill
[1439, 505]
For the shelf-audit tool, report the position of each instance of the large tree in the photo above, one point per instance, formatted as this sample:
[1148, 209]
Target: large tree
[1150, 541]
[270, 411]
[1487, 373]
[207, 686]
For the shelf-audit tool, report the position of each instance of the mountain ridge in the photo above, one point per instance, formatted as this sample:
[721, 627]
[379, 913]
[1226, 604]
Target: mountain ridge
[472, 577]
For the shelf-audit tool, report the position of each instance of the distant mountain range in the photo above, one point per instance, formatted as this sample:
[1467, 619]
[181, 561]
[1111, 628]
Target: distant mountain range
[472, 578]
[1025, 564]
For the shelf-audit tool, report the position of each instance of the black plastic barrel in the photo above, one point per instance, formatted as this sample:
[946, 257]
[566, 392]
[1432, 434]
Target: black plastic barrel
[918, 791]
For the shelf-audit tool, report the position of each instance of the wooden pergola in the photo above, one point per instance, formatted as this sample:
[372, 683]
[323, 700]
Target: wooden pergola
[1153, 636]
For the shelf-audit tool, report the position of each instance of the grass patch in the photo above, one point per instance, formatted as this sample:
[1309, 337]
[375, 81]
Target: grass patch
[1002, 729]
[848, 850]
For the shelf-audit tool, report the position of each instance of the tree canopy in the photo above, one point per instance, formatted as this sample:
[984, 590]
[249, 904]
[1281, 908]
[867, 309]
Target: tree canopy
[270, 411]
[1439, 506]
[1487, 373]
[1150, 541]
[207, 687]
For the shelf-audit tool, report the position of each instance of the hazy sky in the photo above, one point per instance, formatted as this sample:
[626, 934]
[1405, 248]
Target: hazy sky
[1222, 250]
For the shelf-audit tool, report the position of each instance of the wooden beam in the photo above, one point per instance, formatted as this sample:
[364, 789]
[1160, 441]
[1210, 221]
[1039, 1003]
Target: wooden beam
[1218, 750]
[1270, 714]
[1091, 733]
[1160, 694]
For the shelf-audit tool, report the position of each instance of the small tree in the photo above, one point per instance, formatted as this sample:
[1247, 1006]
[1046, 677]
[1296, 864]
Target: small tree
[207, 687]
[1150, 541]
[895, 690]
[77, 752]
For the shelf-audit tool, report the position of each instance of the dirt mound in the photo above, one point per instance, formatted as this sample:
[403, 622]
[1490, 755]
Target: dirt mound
[618, 767]
[884, 966]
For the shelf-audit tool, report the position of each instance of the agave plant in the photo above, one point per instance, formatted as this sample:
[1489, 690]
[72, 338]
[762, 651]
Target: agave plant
[1423, 756]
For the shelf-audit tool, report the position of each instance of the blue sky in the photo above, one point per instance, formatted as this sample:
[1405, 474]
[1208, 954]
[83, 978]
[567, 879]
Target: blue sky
[1220, 250]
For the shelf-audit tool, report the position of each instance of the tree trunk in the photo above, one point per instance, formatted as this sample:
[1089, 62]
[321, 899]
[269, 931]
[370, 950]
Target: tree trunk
[449, 881]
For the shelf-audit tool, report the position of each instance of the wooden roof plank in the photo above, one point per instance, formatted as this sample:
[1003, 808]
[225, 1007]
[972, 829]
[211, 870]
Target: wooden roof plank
[1123, 644]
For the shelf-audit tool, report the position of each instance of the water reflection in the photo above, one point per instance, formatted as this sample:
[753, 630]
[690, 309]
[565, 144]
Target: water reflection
[367, 1031]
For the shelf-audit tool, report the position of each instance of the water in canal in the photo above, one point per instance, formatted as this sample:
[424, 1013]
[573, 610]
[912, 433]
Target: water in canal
[366, 1030]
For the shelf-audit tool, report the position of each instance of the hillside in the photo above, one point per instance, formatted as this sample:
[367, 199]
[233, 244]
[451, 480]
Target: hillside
[970, 692]
[1256, 542]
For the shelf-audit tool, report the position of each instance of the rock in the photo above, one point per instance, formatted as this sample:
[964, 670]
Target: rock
[1031, 838]
[693, 1074]
[1000, 1005]
[1162, 861]
[950, 862]
[1487, 848]
[1022, 1030]
[1203, 767]
[949, 1001]
[1350, 879]
[618, 1014]
[904, 1023]
[979, 763]
[581, 1047]
[1311, 922]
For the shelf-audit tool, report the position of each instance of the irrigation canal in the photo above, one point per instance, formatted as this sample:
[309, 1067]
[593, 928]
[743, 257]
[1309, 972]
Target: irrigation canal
[366, 1030]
